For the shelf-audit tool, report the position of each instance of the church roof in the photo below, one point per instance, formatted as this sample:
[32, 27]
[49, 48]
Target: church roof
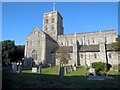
[68, 49]
[84, 48]
[93, 48]
[109, 47]
[36, 29]
[90, 48]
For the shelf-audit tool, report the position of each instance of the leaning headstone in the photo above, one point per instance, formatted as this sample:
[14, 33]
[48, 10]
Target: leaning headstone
[39, 69]
[34, 69]
[14, 67]
[61, 72]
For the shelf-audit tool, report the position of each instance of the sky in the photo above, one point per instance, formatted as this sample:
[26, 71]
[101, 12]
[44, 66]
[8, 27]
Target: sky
[20, 18]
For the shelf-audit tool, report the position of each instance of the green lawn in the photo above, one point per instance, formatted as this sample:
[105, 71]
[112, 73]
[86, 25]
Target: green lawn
[55, 71]
[50, 79]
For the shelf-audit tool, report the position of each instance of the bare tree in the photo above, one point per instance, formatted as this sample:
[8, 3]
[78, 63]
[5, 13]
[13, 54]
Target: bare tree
[63, 55]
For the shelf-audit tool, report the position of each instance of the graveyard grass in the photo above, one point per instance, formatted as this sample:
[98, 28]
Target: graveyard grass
[50, 79]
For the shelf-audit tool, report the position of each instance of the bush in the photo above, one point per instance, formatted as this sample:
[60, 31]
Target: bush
[101, 68]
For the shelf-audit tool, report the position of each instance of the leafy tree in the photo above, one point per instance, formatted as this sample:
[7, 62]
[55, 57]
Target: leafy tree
[63, 55]
[7, 50]
[10, 52]
[116, 45]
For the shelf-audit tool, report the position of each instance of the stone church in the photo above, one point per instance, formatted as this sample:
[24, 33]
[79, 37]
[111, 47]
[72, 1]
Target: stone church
[42, 46]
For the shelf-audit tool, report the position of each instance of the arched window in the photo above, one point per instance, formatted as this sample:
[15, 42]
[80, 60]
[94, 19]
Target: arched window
[27, 44]
[47, 21]
[110, 55]
[93, 40]
[35, 34]
[38, 34]
[38, 42]
[52, 28]
[95, 55]
[67, 42]
[34, 55]
[105, 39]
[61, 43]
[31, 43]
[53, 20]
[81, 55]
[88, 42]
[81, 41]
[46, 28]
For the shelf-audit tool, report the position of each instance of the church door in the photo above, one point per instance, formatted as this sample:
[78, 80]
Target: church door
[34, 57]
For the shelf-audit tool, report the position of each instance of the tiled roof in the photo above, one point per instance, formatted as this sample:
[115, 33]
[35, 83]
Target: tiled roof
[109, 47]
[84, 48]
[68, 49]
[88, 48]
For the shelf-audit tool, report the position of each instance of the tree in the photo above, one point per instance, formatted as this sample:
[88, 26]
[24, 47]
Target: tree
[100, 67]
[10, 52]
[116, 45]
[19, 51]
[7, 50]
[63, 55]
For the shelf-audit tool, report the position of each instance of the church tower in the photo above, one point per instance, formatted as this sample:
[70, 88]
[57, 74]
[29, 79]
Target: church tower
[52, 23]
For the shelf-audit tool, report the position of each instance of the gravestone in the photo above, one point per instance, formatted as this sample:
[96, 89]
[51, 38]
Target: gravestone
[71, 67]
[34, 69]
[66, 70]
[20, 68]
[91, 70]
[14, 67]
[17, 65]
[27, 63]
[74, 68]
[49, 65]
[61, 72]
[111, 68]
[39, 69]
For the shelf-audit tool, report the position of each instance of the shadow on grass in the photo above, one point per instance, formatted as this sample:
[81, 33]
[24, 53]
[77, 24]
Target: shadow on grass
[33, 80]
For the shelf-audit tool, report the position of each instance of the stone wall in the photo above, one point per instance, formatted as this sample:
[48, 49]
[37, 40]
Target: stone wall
[35, 42]
[51, 47]
[88, 38]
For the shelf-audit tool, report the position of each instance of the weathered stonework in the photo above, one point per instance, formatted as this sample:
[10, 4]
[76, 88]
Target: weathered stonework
[85, 48]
